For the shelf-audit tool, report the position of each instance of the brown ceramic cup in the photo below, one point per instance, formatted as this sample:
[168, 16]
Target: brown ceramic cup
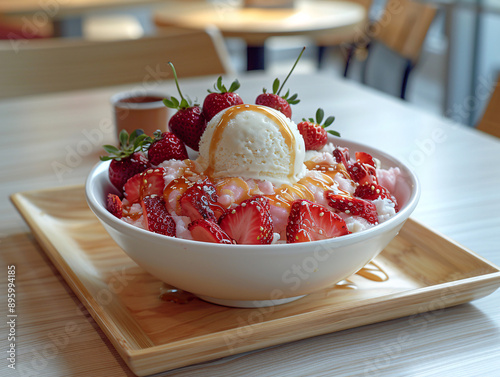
[140, 111]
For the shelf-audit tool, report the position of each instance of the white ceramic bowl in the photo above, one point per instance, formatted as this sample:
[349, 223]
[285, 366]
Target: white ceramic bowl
[254, 275]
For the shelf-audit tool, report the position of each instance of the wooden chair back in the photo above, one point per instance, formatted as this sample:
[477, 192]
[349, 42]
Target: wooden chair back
[490, 122]
[54, 65]
[367, 4]
[403, 27]
[345, 36]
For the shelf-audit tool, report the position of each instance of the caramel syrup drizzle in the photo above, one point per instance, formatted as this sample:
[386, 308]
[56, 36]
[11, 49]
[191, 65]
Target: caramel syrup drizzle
[371, 271]
[231, 113]
[177, 296]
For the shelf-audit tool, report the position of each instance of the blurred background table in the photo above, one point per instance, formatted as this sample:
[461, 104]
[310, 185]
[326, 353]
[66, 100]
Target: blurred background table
[460, 199]
[66, 15]
[255, 25]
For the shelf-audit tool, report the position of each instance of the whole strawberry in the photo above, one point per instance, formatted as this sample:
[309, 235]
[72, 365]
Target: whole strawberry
[166, 146]
[221, 99]
[314, 133]
[128, 159]
[277, 102]
[188, 123]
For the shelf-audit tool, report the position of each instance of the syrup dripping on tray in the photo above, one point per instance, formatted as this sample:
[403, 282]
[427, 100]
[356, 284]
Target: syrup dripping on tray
[175, 295]
[371, 271]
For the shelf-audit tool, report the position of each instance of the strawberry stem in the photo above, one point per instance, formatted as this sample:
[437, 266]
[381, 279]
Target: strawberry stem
[176, 81]
[289, 73]
[128, 145]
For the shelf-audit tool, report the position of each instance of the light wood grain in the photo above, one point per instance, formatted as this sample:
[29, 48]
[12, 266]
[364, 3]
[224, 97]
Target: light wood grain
[418, 269]
[53, 65]
[63, 8]
[490, 122]
[255, 25]
[460, 341]
[345, 37]
[403, 26]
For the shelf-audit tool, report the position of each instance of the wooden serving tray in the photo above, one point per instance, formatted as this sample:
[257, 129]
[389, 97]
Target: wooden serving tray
[419, 271]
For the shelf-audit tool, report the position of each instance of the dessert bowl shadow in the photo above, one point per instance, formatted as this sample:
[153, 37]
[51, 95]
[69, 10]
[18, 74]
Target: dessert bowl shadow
[254, 275]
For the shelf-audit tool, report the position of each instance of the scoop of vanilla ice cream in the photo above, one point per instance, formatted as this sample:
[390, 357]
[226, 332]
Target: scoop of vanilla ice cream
[251, 141]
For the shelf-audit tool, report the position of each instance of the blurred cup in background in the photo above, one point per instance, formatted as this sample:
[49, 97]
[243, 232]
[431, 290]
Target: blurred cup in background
[140, 111]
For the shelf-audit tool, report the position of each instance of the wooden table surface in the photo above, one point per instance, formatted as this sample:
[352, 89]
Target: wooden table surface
[63, 8]
[54, 140]
[254, 25]
[64, 17]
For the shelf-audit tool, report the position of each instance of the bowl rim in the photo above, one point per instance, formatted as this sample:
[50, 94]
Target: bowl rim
[105, 216]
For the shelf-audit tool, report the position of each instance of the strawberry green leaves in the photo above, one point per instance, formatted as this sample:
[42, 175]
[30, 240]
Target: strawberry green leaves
[221, 88]
[129, 144]
[320, 114]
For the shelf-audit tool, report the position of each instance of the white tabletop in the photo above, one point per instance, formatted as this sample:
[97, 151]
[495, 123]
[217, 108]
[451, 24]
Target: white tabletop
[458, 341]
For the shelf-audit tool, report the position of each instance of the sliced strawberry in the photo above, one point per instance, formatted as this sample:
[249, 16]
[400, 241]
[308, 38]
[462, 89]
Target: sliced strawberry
[309, 221]
[132, 189]
[156, 217]
[362, 173]
[199, 201]
[342, 156]
[149, 182]
[249, 223]
[373, 191]
[173, 192]
[365, 158]
[208, 231]
[114, 205]
[353, 206]
[152, 182]
[263, 201]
